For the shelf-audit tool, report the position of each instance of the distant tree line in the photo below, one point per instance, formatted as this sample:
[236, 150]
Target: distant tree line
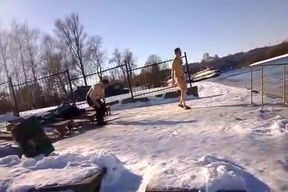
[242, 59]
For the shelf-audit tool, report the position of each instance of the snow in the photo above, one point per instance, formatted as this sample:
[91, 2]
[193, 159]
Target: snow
[279, 60]
[7, 117]
[8, 148]
[41, 111]
[278, 127]
[221, 143]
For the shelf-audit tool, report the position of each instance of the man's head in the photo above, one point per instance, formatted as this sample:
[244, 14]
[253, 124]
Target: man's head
[105, 82]
[178, 52]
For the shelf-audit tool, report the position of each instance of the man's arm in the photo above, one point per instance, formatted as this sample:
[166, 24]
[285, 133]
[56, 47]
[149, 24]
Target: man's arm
[103, 95]
[172, 74]
[89, 91]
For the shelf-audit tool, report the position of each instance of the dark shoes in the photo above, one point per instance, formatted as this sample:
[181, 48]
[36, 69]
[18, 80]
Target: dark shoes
[186, 107]
[101, 123]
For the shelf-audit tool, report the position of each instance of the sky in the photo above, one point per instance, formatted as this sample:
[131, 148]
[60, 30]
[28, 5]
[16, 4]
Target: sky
[147, 27]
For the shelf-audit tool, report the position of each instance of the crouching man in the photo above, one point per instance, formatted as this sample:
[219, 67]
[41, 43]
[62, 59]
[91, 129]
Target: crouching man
[95, 98]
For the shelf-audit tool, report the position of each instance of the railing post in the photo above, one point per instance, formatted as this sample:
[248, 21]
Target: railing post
[262, 87]
[284, 84]
[128, 79]
[70, 86]
[251, 84]
[188, 71]
[12, 92]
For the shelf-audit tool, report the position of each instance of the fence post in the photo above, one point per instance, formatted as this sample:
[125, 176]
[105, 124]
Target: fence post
[70, 86]
[11, 87]
[262, 87]
[188, 71]
[129, 81]
[251, 84]
[284, 84]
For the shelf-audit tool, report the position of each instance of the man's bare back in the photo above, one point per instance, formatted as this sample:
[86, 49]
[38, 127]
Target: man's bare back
[178, 74]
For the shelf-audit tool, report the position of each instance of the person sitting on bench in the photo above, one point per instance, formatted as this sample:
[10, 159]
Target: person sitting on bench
[95, 98]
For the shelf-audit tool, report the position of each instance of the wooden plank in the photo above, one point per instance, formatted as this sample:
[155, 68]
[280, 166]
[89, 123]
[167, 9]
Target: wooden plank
[63, 127]
[61, 123]
[6, 137]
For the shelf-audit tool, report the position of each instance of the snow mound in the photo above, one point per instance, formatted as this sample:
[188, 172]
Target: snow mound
[29, 173]
[117, 177]
[40, 171]
[279, 126]
[209, 173]
[9, 161]
[222, 174]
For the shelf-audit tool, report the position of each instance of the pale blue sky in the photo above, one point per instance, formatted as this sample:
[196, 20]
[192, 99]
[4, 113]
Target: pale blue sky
[158, 26]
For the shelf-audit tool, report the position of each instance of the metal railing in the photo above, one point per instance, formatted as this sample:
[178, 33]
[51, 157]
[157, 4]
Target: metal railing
[52, 90]
[269, 80]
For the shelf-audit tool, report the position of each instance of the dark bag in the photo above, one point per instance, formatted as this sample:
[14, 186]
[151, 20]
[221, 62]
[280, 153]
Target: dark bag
[31, 138]
[67, 111]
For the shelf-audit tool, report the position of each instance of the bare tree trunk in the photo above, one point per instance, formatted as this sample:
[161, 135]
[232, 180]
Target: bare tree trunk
[71, 31]
[22, 61]
[32, 62]
[3, 50]
[62, 84]
[13, 59]
[30, 35]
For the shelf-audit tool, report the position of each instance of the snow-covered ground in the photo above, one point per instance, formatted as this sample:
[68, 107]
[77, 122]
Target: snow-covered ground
[221, 143]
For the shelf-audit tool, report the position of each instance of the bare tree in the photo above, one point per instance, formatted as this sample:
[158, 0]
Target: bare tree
[118, 59]
[14, 58]
[50, 58]
[114, 74]
[95, 55]
[129, 58]
[17, 34]
[153, 72]
[52, 65]
[3, 51]
[31, 37]
[71, 31]
[152, 59]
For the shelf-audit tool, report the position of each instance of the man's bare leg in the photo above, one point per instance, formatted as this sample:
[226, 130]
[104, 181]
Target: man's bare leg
[180, 100]
[183, 95]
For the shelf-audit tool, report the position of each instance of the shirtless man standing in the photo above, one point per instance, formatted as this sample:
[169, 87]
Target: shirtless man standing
[95, 98]
[178, 74]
